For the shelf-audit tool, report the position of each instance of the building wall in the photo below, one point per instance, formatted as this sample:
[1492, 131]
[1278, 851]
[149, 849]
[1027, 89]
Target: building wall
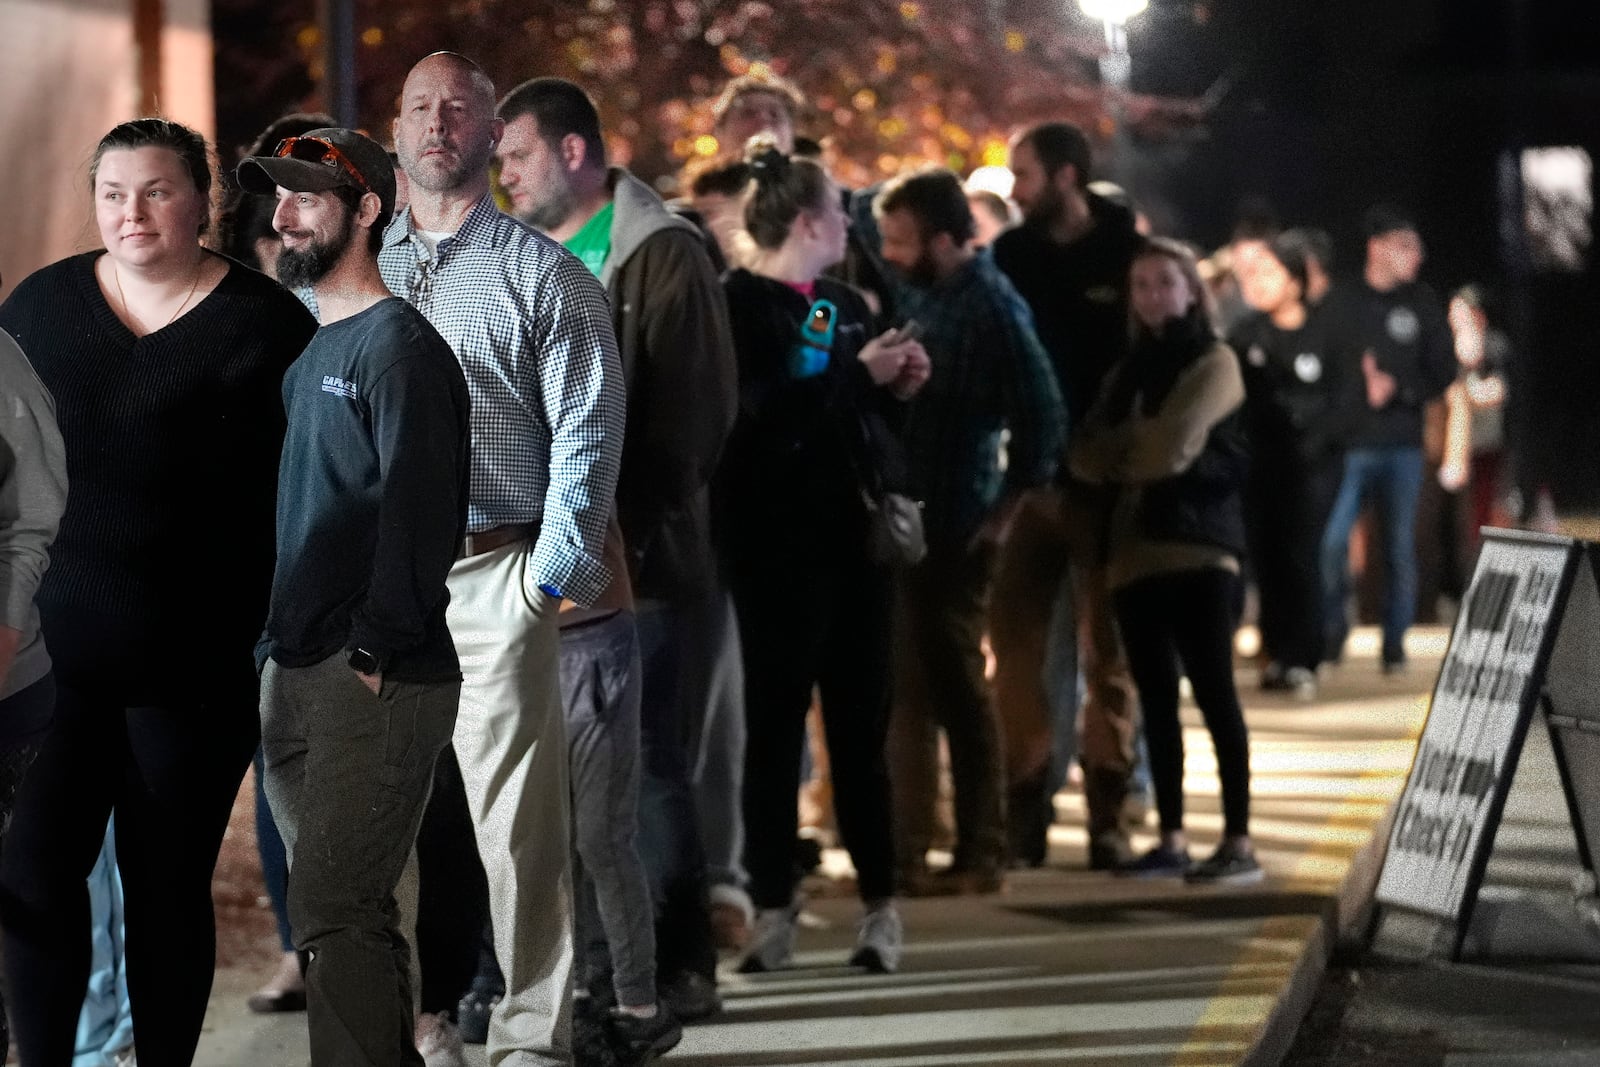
[69, 71]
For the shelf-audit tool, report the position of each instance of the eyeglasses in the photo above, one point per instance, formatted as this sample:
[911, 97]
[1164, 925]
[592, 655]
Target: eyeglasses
[316, 150]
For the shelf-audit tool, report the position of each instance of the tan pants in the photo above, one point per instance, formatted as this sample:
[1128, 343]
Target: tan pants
[510, 740]
[1058, 536]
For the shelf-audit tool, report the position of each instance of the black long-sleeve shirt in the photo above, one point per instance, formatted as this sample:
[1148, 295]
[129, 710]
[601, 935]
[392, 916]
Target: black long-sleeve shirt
[372, 496]
[1406, 331]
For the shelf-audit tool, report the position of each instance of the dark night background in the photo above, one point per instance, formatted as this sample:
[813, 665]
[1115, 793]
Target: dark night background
[1317, 108]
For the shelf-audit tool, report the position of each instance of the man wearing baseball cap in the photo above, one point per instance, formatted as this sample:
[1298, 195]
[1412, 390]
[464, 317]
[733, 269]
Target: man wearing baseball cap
[360, 680]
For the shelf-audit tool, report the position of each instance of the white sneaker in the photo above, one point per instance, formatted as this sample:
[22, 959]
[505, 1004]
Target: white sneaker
[439, 1041]
[771, 943]
[879, 941]
[1302, 682]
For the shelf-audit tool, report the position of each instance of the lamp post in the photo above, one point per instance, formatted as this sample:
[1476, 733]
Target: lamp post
[1116, 65]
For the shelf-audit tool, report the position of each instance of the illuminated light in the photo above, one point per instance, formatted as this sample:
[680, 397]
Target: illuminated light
[706, 145]
[990, 179]
[372, 36]
[956, 136]
[909, 11]
[1113, 11]
[864, 100]
[1015, 41]
[308, 38]
[888, 164]
[891, 127]
[995, 154]
[886, 63]
[955, 161]
[843, 116]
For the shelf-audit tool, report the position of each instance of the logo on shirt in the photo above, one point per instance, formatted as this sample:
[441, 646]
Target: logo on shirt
[338, 387]
[1257, 356]
[1403, 325]
[1307, 367]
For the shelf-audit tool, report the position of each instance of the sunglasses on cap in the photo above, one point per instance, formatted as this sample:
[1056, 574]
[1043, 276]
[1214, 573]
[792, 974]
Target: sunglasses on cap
[316, 150]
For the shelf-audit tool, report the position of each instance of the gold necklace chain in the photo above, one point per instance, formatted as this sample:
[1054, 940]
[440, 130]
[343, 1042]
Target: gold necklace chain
[116, 276]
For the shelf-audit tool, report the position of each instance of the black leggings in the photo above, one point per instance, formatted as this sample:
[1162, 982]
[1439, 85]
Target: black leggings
[171, 774]
[822, 622]
[1182, 624]
[35, 703]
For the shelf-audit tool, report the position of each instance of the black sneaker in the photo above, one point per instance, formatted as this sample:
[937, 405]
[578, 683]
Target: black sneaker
[591, 1038]
[639, 1041]
[1226, 866]
[691, 996]
[472, 1016]
[1159, 862]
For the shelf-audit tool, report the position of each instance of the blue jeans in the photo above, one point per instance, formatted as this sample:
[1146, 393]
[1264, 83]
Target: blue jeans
[1392, 474]
[105, 1025]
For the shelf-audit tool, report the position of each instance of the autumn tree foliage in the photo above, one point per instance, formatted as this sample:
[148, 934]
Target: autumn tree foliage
[891, 82]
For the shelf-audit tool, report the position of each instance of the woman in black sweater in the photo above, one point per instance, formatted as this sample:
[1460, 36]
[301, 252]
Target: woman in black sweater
[1165, 432]
[166, 364]
[813, 606]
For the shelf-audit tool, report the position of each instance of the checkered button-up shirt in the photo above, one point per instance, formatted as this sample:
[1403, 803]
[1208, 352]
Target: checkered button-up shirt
[532, 329]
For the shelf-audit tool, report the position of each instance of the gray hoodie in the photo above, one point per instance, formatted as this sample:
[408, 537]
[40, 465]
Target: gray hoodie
[33, 494]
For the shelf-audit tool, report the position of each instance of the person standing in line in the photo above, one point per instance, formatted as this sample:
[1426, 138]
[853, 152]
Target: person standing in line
[248, 236]
[1069, 259]
[1407, 359]
[532, 330]
[1296, 381]
[814, 606]
[165, 361]
[1166, 433]
[33, 494]
[671, 321]
[990, 375]
[359, 675]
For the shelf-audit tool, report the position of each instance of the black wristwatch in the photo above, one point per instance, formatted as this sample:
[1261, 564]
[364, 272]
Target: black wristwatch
[364, 662]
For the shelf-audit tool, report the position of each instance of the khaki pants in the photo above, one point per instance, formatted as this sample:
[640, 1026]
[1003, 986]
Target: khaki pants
[1058, 535]
[510, 741]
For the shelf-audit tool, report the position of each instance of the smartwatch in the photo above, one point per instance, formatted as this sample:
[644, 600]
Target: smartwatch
[364, 662]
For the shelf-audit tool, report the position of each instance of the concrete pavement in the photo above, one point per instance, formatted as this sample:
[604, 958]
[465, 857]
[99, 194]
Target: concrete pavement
[1068, 966]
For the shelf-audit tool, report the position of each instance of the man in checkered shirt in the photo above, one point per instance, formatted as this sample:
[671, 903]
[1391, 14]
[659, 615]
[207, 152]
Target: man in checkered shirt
[532, 329]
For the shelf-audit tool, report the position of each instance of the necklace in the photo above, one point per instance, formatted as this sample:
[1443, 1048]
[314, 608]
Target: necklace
[116, 276]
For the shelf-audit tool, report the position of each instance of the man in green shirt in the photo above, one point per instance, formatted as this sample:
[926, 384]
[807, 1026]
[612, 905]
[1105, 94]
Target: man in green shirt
[672, 329]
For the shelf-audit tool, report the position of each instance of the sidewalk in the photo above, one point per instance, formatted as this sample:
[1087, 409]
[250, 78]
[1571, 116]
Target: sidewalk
[1069, 967]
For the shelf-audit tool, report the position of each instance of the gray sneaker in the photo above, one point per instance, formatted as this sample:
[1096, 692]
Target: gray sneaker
[771, 942]
[1226, 866]
[879, 940]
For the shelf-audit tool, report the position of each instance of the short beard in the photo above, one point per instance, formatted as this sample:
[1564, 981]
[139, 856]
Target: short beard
[1046, 210]
[922, 274]
[435, 178]
[301, 268]
[552, 211]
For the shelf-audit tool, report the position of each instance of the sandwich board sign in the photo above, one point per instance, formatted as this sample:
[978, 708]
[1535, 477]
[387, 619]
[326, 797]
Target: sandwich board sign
[1529, 592]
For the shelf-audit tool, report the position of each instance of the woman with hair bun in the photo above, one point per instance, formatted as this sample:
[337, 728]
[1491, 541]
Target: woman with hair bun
[166, 363]
[818, 398]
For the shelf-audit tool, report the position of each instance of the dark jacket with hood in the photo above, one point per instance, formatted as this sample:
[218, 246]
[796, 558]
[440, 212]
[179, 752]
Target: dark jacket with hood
[671, 321]
[1079, 295]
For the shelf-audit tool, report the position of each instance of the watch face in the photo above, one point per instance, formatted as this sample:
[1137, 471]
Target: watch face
[364, 661]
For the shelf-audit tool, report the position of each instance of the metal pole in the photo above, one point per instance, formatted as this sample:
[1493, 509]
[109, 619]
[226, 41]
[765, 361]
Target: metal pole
[338, 19]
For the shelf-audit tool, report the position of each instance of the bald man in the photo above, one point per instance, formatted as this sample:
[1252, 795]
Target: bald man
[532, 330]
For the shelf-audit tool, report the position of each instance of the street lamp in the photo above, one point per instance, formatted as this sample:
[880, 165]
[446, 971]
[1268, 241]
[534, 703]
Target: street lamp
[1116, 65]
